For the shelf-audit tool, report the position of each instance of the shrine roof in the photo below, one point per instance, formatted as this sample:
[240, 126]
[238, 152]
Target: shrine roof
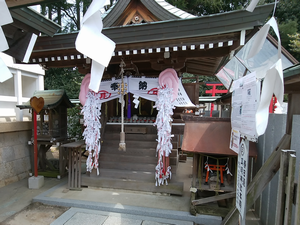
[35, 20]
[19, 33]
[159, 8]
[52, 99]
[292, 79]
[197, 45]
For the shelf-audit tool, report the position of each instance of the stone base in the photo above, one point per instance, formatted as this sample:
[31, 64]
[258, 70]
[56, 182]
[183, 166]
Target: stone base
[35, 182]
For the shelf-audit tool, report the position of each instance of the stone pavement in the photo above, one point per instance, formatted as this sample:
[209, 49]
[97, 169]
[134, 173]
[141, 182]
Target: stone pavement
[104, 206]
[78, 216]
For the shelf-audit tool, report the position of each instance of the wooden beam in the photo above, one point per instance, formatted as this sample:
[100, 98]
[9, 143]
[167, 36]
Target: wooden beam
[290, 190]
[214, 198]
[22, 3]
[281, 187]
[297, 211]
[261, 179]
[293, 109]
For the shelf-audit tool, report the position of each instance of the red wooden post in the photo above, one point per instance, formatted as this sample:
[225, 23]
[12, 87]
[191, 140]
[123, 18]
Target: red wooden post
[37, 105]
[35, 144]
[213, 92]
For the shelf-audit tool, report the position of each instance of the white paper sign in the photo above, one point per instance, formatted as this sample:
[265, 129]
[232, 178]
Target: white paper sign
[242, 178]
[235, 140]
[245, 99]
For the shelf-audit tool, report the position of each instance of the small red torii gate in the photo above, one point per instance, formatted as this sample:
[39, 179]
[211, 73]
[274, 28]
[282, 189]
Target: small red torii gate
[213, 92]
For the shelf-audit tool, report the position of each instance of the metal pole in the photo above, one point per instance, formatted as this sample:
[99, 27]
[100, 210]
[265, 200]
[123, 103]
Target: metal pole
[122, 144]
[35, 153]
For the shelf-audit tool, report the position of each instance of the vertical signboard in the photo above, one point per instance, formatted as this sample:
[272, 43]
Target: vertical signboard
[242, 177]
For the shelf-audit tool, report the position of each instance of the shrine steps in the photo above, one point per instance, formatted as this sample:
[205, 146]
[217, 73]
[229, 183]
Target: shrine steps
[133, 169]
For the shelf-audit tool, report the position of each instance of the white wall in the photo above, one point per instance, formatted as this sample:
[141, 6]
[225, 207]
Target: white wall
[19, 89]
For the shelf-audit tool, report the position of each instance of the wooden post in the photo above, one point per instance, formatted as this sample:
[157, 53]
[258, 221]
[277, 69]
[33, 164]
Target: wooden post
[281, 186]
[297, 211]
[290, 190]
[261, 179]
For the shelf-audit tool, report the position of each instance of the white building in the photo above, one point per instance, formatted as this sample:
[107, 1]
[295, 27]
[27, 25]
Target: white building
[19, 89]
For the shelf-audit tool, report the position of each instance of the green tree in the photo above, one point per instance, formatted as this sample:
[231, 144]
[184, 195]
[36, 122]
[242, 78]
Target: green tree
[68, 79]
[295, 42]
[201, 79]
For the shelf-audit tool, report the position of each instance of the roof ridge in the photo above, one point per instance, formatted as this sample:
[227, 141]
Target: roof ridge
[174, 10]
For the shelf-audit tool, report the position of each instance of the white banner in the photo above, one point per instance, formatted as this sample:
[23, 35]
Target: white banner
[143, 87]
[109, 89]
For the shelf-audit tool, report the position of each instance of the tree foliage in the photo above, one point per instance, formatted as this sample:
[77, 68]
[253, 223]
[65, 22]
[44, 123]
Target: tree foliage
[206, 7]
[287, 15]
[295, 42]
[68, 79]
[202, 88]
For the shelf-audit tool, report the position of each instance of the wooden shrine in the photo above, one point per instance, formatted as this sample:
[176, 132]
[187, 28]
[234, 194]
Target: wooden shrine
[150, 36]
[51, 126]
[214, 163]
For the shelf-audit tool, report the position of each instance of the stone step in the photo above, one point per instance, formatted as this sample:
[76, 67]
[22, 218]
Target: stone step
[116, 128]
[132, 159]
[128, 166]
[130, 137]
[142, 167]
[134, 151]
[130, 144]
[175, 188]
[127, 174]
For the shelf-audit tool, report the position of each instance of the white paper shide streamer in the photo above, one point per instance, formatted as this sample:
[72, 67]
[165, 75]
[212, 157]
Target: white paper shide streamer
[5, 18]
[91, 42]
[92, 113]
[165, 108]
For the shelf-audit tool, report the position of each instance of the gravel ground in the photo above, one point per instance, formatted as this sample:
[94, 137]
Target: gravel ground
[36, 214]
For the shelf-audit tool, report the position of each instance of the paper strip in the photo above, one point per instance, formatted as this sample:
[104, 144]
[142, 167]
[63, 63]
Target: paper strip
[272, 84]
[3, 42]
[92, 43]
[5, 74]
[5, 17]
[96, 76]
[30, 48]
[252, 5]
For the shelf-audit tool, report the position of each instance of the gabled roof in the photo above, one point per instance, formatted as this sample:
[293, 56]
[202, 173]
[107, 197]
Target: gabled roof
[26, 22]
[196, 45]
[52, 99]
[160, 10]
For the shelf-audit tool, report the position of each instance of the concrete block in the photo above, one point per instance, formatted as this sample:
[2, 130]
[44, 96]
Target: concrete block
[8, 170]
[10, 180]
[86, 218]
[23, 175]
[35, 182]
[2, 183]
[8, 154]
[113, 220]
